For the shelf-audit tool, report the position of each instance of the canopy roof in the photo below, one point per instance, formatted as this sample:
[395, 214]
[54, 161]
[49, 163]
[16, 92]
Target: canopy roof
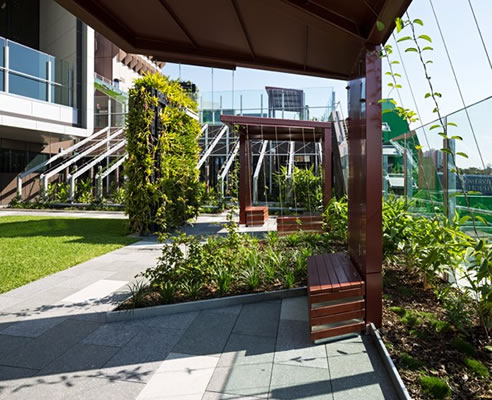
[314, 37]
[258, 128]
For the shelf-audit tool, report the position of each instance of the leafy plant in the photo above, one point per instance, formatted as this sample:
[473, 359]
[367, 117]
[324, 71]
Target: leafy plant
[162, 190]
[477, 367]
[84, 191]
[409, 362]
[434, 387]
[223, 279]
[138, 290]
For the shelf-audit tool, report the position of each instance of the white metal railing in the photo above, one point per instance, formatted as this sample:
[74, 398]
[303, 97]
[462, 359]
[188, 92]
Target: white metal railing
[56, 157]
[258, 169]
[103, 174]
[204, 157]
[73, 177]
[227, 166]
[45, 177]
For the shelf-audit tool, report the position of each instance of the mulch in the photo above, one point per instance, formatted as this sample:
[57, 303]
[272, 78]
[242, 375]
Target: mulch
[440, 358]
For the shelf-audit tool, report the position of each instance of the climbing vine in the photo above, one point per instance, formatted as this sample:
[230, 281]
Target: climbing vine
[162, 189]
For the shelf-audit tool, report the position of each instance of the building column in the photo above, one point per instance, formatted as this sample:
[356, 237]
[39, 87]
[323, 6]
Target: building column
[244, 176]
[327, 185]
[365, 180]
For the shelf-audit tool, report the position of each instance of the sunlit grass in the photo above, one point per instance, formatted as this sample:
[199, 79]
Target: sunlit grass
[33, 247]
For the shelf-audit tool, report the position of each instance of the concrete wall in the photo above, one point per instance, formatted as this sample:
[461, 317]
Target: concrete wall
[124, 74]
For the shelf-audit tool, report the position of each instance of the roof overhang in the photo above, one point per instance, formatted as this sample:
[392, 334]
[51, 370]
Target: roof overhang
[313, 37]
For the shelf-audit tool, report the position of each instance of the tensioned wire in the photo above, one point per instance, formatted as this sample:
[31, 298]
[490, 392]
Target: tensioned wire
[457, 82]
[480, 33]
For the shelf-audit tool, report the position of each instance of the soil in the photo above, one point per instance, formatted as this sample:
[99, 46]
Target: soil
[436, 351]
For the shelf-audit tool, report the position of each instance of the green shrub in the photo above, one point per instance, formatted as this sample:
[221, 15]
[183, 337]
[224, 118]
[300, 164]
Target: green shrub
[434, 387]
[477, 367]
[335, 219]
[398, 310]
[464, 347]
[409, 362]
[411, 319]
[162, 190]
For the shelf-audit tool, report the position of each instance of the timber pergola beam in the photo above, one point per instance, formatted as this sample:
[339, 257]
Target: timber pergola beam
[278, 130]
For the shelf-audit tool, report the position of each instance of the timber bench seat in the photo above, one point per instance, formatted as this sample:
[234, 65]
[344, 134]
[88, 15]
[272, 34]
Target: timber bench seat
[336, 295]
[256, 216]
[304, 223]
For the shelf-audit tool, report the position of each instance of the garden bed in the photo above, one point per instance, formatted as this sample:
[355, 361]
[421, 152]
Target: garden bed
[192, 268]
[427, 349]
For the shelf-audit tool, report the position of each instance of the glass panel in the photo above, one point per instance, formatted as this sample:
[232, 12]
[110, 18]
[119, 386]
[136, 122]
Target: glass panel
[27, 87]
[29, 61]
[1, 81]
[2, 45]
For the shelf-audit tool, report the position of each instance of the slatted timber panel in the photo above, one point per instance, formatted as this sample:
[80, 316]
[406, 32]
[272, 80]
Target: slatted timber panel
[311, 223]
[336, 296]
[256, 216]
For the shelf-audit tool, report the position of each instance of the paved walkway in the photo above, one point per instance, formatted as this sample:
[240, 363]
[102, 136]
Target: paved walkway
[55, 343]
[64, 213]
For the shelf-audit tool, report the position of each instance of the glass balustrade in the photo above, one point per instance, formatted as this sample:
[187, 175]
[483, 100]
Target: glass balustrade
[34, 74]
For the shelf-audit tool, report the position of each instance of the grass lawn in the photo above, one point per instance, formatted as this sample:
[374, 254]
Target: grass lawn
[33, 247]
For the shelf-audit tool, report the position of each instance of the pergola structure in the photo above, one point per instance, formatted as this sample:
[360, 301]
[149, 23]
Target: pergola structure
[274, 129]
[336, 39]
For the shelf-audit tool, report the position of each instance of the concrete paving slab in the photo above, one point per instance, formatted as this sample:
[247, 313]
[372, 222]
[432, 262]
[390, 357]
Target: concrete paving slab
[81, 357]
[293, 382]
[8, 301]
[115, 334]
[246, 349]
[9, 344]
[360, 374]
[149, 345]
[180, 376]
[294, 346]
[77, 386]
[242, 380]
[179, 321]
[295, 308]
[207, 334]
[95, 291]
[224, 396]
[349, 346]
[32, 327]
[259, 319]
[50, 345]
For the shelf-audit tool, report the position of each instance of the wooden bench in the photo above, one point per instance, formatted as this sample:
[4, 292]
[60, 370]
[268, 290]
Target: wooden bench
[256, 216]
[336, 295]
[304, 223]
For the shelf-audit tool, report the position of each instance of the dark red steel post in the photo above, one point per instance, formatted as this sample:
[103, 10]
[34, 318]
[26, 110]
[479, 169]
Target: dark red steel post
[244, 177]
[365, 181]
[327, 166]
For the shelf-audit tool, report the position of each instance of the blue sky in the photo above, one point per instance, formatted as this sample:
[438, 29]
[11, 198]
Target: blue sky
[466, 51]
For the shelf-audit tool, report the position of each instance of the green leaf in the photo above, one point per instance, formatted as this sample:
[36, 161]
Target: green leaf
[429, 62]
[426, 37]
[481, 219]
[465, 218]
[380, 25]
[411, 49]
[402, 39]
[435, 110]
[399, 25]
[395, 62]
[452, 124]
[398, 86]
[460, 153]
[418, 21]
[418, 147]
[427, 48]
[434, 127]
[392, 101]
[437, 94]
[427, 95]
[397, 74]
[456, 137]
[388, 110]
[391, 84]
[388, 73]
[444, 150]
[443, 135]
[455, 194]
